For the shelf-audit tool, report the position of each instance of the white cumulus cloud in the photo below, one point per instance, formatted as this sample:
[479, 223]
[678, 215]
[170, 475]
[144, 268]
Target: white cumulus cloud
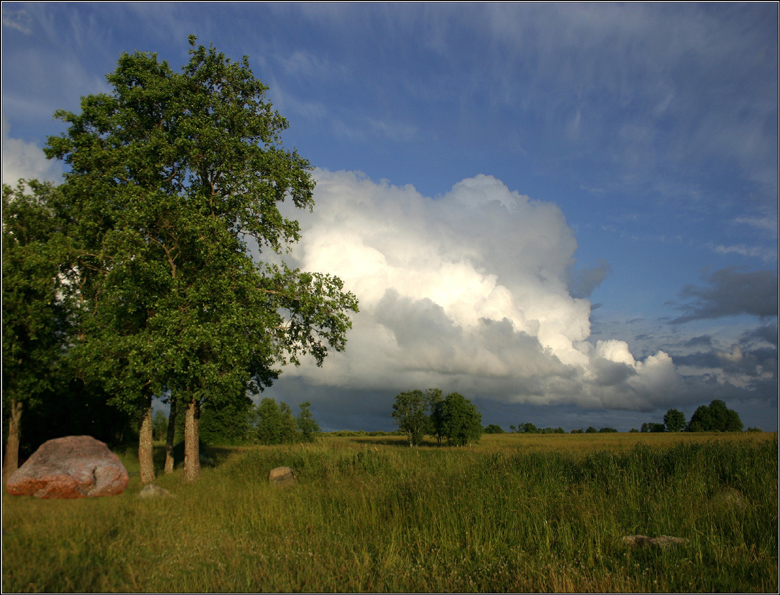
[464, 291]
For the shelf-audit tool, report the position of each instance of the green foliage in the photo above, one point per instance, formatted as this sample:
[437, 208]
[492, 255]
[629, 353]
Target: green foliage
[527, 428]
[607, 430]
[591, 430]
[493, 429]
[307, 425]
[159, 425]
[653, 427]
[269, 422]
[715, 418]
[227, 425]
[459, 421]
[173, 177]
[410, 413]
[36, 310]
[288, 427]
[674, 420]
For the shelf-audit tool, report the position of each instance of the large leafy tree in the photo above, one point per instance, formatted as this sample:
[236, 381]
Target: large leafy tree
[36, 312]
[715, 417]
[174, 185]
[410, 411]
[460, 422]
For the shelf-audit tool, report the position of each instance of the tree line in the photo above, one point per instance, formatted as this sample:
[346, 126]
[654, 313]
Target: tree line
[267, 423]
[144, 273]
[454, 418]
[715, 417]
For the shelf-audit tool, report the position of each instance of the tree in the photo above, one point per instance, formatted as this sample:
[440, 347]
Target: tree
[159, 425]
[306, 423]
[174, 182]
[289, 427]
[461, 421]
[607, 431]
[433, 398]
[493, 429]
[715, 418]
[410, 413]
[37, 313]
[591, 430]
[674, 420]
[229, 425]
[269, 422]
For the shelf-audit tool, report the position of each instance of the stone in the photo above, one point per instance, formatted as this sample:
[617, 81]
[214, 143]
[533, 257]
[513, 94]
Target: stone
[151, 491]
[70, 467]
[661, 541]
[281, 476]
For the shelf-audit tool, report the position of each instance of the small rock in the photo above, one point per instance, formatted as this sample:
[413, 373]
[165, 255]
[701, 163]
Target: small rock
[661, 541]
[151, 490]
[70, 467]
[281, 476]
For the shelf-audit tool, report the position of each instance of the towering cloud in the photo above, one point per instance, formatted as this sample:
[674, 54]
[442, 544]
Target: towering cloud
[469, 290]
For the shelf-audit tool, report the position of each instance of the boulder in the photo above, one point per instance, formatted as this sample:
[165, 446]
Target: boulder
[661, 541]
[152, 491]
[281, 476]
[70, 467]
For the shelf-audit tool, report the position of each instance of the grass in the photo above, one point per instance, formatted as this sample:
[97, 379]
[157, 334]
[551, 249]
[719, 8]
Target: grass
[516, 513]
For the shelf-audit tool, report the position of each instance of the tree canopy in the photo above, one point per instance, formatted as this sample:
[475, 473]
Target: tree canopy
[173, 192]
[458, 420]
[715, 417]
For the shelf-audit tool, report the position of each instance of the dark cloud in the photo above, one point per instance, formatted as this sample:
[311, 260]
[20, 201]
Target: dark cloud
[730, 293]
[583, 283]
[766, 333]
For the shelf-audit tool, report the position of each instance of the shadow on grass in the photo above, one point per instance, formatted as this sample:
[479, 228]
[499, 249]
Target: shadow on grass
[210, 456]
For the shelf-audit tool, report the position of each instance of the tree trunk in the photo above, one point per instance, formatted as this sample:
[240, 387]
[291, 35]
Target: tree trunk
[11, 461]
[191, 446]
[170, 438]
[145, 446]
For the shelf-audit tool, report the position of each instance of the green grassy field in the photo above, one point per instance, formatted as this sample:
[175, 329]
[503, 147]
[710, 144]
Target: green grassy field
[515, 513]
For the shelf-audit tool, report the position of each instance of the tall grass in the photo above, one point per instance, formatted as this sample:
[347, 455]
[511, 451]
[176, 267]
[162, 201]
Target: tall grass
[512, 514]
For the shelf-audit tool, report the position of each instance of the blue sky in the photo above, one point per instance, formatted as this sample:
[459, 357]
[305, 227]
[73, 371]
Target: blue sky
[566, 212]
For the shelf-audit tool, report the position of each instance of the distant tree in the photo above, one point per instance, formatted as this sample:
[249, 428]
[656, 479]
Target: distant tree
[159, 425]
[461, 420]
[512, 429]
[674, 420]
[578, 431]
[528, 428]
[229, 425]
[289, 427]
[433, 399]
[493, 429]
[715, 418]
[269, 422]
[757, 430]
[591, 430]
[657, 428]
[307, 425]
[607, 430]
[633, 431]
[410, 411]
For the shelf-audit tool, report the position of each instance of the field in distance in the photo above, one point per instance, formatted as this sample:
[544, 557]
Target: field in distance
[515, 513]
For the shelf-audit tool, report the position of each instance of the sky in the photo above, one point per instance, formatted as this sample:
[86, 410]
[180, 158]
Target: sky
[565, 212]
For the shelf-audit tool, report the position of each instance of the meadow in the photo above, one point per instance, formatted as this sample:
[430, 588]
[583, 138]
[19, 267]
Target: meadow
[515, 513]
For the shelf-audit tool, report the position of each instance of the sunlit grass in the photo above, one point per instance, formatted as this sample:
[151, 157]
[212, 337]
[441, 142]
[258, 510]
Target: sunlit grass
[514, 513]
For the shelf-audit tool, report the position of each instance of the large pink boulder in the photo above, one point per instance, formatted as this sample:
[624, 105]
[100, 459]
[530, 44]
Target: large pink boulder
[70, 467]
